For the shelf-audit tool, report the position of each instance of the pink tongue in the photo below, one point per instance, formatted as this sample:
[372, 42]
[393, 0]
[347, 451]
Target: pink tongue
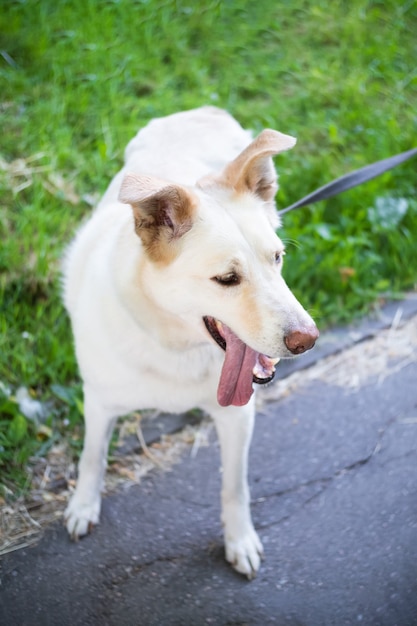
[235, 385]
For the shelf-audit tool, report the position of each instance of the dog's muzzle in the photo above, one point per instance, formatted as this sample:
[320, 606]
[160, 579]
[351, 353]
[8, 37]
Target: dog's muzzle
[242, 365]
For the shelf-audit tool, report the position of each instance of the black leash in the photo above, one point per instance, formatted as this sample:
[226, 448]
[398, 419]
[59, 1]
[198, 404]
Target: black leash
[352, 180]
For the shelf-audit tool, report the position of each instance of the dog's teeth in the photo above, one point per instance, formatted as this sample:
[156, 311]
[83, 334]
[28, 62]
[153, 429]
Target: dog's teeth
[258, 371]
[265, 367]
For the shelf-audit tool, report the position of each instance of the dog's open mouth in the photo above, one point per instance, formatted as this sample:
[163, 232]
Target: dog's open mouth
[241, 368]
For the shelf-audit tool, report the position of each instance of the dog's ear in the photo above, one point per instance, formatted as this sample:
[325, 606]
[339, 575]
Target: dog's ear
[163, 212]
[253, 169]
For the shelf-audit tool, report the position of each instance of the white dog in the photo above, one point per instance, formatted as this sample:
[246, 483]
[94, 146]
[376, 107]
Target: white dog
[176, 298]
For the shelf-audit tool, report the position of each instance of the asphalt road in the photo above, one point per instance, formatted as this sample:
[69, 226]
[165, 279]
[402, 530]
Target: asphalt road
[333, 476]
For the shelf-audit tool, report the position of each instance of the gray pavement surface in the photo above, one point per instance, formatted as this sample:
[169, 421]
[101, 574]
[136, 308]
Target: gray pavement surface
[333, 475]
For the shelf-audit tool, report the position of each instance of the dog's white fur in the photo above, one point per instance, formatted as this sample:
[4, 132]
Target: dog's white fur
[137, 291]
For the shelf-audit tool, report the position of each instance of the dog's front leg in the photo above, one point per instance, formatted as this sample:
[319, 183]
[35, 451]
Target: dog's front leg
[243, 547]
[83, 510]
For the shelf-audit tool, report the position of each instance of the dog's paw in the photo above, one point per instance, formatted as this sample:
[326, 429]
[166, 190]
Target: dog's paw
[244, 552]
[81, 516]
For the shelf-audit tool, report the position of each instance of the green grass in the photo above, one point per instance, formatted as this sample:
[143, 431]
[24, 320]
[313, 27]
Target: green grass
[78, 78]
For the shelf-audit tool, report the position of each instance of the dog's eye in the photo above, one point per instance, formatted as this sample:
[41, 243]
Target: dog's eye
[227, 280]
[278, 257]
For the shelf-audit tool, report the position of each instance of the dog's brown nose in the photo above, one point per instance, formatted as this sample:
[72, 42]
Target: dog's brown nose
[300, 340]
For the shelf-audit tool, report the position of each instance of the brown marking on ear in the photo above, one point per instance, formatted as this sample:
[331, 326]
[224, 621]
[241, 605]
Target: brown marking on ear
[163, 213]
[253, 169]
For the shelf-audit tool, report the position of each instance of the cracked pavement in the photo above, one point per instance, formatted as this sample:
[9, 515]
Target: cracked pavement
[333, 475]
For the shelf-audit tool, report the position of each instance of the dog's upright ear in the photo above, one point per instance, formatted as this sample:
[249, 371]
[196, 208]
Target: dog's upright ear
[163, 213]
[253, 169]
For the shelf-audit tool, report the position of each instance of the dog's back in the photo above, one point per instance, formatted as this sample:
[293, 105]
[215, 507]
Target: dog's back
[182, 147]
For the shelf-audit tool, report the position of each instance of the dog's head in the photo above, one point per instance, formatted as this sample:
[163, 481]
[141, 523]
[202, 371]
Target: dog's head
[215, 261]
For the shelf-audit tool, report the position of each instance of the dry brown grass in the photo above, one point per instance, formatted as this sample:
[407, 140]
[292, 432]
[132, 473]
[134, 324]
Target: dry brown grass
[53, 479]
